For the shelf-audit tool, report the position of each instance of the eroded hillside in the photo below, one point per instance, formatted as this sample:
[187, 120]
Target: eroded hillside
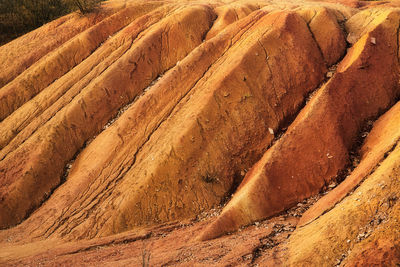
[203, 132]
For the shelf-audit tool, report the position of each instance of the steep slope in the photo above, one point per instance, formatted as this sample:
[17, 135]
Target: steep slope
[364, 223]
[65, 133]
[335, 114]
[129, 125]
[19, 55]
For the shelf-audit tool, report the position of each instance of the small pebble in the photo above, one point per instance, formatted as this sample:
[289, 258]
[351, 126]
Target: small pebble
[271, 131]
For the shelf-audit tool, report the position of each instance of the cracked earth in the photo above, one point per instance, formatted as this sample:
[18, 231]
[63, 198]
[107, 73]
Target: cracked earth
[164, 133]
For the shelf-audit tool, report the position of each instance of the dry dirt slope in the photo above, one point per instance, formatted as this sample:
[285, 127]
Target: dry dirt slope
[147, 131]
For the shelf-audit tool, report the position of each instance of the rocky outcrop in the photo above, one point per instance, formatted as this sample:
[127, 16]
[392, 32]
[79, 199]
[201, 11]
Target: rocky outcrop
[334, 114]
[33, 169]
[59, 61]
[19, 55]
[356, 225]
[151, 113]
[381, 140]
[162, 166]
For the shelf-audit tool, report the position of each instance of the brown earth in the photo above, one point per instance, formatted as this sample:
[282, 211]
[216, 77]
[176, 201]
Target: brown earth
[203, 133]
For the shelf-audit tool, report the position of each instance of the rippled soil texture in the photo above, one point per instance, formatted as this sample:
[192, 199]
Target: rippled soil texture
[203, 132]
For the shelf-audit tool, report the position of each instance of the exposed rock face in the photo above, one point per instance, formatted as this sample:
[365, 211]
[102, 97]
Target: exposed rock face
[334, 114]
[149, 112]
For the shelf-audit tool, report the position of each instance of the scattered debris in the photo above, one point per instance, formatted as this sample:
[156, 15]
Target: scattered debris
[340, 260]
[331, 71]
[127, 106]
[301, 207]
[214, 212]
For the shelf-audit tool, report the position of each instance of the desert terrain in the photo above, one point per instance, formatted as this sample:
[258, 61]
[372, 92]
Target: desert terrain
[202, 133]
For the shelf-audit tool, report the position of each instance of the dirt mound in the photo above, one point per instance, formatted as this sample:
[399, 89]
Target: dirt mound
[123, 124]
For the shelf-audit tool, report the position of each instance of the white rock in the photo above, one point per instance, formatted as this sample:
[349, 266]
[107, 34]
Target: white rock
[271, 131]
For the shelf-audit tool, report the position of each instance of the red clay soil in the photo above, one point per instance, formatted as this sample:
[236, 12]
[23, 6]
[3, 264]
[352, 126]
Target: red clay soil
[335, 114]
[168, 244]
[65, 133]
[163, 133]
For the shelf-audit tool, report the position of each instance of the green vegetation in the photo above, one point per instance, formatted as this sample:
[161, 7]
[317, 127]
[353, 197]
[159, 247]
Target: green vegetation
[20, 16]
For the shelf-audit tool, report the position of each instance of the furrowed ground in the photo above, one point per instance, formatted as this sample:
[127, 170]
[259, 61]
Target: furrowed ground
[203, 132]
